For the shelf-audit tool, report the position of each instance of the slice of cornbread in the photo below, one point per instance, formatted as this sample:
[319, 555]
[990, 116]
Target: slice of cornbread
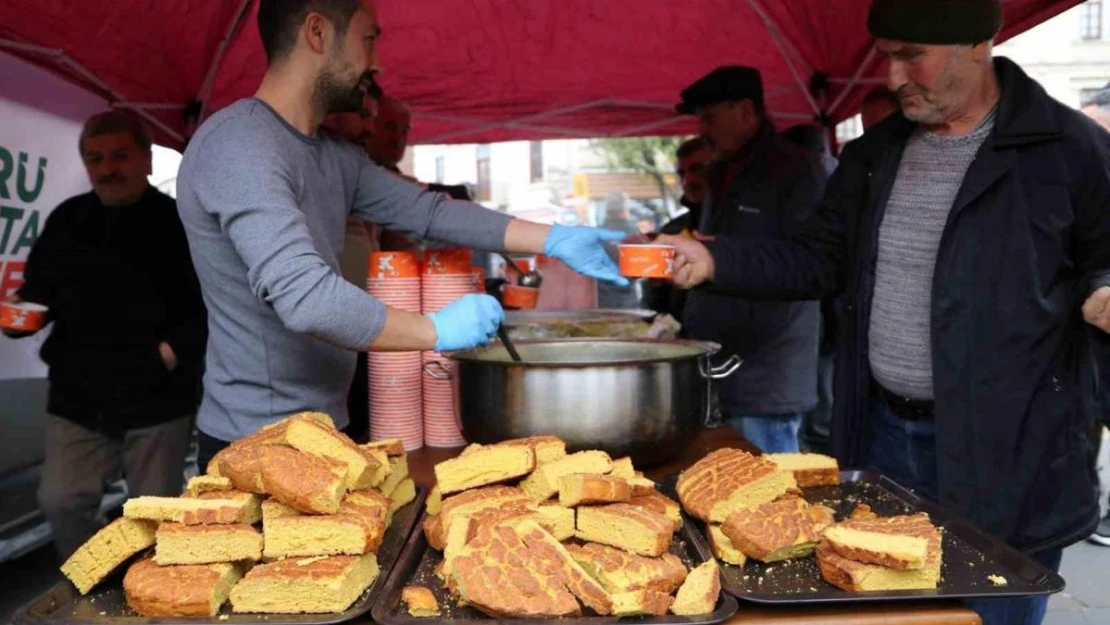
[641, 486]
[202, 484]
[470, 502]
[188, 511]
[627, 527]
[309, 585]
[546, 448]
[544, 482]
[273, 509]
[488, 465]
[658, 502]
[641, 603]
[253, 513]
[775, 531]
[302, 481]
[420, 601]
[851, 575]
[434, 503]
[890, 550]
[579, 489]
[206, 544]
[358, 529]
[241, 463]
[190, 590]
[727, 480]
[808, 469]
[556, 561]
[619, 571]
[622, 468]
[310, 436]
[391, 446]
[398, 471]
[322, 418]
[723, 548]
[403, 495]
[558, 520]
[700, 591]
[110, 547]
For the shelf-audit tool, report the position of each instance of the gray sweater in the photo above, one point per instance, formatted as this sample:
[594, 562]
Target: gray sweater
[264, 209]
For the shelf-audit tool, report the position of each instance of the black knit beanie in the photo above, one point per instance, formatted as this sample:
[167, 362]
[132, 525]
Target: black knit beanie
[937, 22]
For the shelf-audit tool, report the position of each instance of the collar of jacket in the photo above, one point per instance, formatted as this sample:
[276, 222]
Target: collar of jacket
[722, 171]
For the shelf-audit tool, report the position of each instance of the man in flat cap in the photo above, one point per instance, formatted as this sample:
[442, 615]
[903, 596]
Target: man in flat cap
[761, 187]
[969, 238]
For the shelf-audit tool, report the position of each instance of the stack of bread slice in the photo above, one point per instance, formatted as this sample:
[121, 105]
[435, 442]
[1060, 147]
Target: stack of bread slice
[286, 520]
[867, 552]
[528, 530]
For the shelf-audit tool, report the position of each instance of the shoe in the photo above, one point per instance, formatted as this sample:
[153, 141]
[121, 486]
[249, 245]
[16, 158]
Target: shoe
[1102, 534]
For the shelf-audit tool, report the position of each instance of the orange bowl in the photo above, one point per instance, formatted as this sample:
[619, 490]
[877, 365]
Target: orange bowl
[513, 296]
[389, 265]
[646, 261]
[22, 317]
[452, 261]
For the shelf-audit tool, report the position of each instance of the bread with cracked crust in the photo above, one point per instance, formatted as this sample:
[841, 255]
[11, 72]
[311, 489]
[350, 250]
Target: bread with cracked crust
[851, 575]
[188, 590]
[727, 480]
[620, 571]
[780, 530]
[627, 527]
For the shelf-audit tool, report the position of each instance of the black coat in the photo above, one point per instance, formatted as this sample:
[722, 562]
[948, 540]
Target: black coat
[118, 281]
[1026, 242]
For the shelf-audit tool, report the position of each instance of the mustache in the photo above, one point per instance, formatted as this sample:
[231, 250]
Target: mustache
[110, 179]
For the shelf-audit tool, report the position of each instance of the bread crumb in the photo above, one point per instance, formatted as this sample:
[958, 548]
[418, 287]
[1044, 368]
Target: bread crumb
[997, 580]
[223, 617]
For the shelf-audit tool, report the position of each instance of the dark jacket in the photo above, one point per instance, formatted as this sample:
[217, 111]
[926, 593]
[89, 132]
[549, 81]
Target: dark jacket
[118, 281]
[1027, 240]
[767, 191]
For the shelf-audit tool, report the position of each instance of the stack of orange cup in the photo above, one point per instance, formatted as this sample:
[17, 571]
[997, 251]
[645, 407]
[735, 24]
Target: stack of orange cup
[447, 276]
[395, 384]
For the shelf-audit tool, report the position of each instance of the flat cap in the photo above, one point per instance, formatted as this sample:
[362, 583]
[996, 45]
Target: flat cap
[729, 83]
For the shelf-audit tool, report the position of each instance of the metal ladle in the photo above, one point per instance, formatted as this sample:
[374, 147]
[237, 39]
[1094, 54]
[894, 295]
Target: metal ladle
[503, 334]
[531, 279]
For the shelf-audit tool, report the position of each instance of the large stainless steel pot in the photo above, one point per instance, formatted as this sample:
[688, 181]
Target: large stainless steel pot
[630, 397]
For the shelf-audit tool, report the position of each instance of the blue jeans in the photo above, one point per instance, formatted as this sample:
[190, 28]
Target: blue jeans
[905, 451]
[771, 433]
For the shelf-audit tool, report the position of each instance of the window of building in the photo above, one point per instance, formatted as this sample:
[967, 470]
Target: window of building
[441, 169]
[535, 151]
[1090, 20]
[483, 189]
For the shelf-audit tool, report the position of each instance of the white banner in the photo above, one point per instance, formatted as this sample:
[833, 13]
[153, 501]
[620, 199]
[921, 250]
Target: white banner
[39, 168]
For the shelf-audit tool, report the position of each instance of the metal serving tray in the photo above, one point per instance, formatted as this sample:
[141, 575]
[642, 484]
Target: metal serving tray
[106, 605]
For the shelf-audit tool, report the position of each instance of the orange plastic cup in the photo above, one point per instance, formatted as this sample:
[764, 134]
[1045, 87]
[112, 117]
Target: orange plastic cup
[646, 261]
[22, 317]
[479, 276]
[514, 296]
[389, 265]
[452, 261]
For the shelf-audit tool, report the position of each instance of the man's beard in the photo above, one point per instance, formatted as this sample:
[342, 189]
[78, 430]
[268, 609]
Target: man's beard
[337, 95]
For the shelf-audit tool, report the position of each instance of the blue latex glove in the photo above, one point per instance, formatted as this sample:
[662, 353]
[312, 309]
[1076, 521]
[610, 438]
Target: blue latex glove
[582, 249]
[470, 321]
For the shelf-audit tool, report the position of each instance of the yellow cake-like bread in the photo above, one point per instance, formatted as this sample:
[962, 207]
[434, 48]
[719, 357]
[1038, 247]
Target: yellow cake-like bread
[622, 468]
[253, 512]
[189, 511]
[775, 531]
[467, 503]
[310, 436]
[544, 482]
[358, 529]
[190, 590]
[310, 585]
[808, 469]
[627, 527]
[202, 484]
[241, 463]
[403, 495]
[700, 591]
[889, 550]
[322, 418]
[558, 520]
[434, 503]
[273, 509]
[579, 489]
[727, 480]
[641, 603]
[302, 481]
[391, 446]
[723, 548]
[420, 601]
[206, 544]
[619, 571]
[110, 547]
[658, 502]
[851, 575]
[560, 563]
[398, 471]
[546, 448]
[641, 486]
[485, 466]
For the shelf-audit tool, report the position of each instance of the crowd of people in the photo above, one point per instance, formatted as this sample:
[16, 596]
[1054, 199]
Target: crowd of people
[951, 270]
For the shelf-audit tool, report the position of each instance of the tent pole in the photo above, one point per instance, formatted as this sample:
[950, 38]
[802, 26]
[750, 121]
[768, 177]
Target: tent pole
[28, 47]
[210, 76]
[782, 45]
[843, 95]
[519, 122]
[633, 130]
[154, 106]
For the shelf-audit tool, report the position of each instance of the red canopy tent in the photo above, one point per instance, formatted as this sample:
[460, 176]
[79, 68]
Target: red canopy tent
[482, 70]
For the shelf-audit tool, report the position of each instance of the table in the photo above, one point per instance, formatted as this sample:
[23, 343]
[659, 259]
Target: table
[422, 461]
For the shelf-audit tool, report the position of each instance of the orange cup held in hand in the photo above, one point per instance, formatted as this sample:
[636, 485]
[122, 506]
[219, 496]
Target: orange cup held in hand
[646, 261]
[513, 296]
[388, 265]
[22, 317]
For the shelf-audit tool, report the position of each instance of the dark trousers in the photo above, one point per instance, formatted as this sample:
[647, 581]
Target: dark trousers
[358, 403]
[905, 451]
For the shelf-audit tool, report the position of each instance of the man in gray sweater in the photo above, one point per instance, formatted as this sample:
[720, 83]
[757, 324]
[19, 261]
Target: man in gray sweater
[265, 197]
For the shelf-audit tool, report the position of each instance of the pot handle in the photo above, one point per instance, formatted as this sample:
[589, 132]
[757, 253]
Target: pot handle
[724, 370]
[443, 374]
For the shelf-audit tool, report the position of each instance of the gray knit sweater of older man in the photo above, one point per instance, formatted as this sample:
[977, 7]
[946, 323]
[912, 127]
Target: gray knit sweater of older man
[265, 208]
[929, 177]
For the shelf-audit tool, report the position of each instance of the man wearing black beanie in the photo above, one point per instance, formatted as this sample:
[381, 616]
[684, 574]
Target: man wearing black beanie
[968, 237]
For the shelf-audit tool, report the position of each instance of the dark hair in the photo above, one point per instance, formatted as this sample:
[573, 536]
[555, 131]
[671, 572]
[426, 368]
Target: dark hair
[811, 138]
[690, 146]
[881, 93]
[112, 122]
[279, 21]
